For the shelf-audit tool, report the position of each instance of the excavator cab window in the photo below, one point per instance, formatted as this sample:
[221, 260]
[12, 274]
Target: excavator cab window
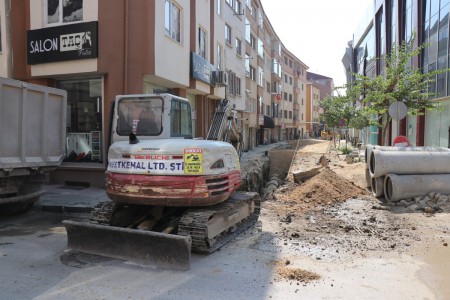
[140, 116]
[180, 119]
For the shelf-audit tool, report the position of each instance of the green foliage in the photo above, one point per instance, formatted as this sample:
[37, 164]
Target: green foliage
[346, 150]
[400, 81]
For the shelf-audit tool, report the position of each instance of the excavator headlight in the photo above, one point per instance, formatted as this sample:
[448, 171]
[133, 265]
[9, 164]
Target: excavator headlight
[218, 164]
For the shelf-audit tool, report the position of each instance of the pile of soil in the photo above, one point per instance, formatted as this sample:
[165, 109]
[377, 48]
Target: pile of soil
[294, 274]
[324, 189]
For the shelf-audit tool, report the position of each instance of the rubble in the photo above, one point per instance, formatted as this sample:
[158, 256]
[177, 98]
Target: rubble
[431, 203]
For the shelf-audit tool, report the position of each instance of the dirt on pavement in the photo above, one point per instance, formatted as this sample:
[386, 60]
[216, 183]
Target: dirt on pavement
[332, 217]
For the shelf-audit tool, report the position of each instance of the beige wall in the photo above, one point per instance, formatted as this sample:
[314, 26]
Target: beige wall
[232, 61]
[172, 59]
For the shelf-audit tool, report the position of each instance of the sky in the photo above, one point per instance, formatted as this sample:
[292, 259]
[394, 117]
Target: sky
[317, 31]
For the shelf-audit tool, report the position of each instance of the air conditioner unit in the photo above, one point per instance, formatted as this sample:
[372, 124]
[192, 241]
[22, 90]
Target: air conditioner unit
[221, 78]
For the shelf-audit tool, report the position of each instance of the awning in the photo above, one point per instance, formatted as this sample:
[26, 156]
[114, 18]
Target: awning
[268, 122]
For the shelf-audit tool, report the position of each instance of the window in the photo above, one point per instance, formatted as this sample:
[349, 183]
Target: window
[61, 11]
[219, 7]
[238, 7]
[290, 115]
[219, 56]
[84, 125]
[285, 78]
[285, 60]
[180, 119]
[290, 97]
[247, 30]
[234, 86]
[173, 21]
[290, 63]
[228, 34]
[268, 87]
[237, 86]
[202, 43]
[250, 7]
[290, 80]
[268, 110]
[260, 76]
[247, 64]
[276, 68]
[252, 73]
[252, 41]
[285, 96]
[260, 48]
[238, 46]
[285, 114]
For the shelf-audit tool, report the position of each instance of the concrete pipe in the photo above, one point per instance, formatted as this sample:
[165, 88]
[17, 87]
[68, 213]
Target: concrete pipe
[369, 149]
[368, 179]
[398, 187]
[408, 162]
[378, 186]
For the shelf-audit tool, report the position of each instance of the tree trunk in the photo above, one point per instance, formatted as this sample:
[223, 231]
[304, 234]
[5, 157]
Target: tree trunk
[385, 130]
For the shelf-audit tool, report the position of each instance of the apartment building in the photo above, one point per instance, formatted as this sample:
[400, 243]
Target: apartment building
[391, 22]
[300, 90]
[288, 93]
[312, 109]
[325, 85]
[96, 51]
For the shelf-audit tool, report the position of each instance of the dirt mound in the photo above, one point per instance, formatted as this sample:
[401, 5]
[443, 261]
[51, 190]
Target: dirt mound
[324, 189]
[295, 274]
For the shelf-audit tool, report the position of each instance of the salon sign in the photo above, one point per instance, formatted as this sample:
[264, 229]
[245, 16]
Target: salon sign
[62, 43]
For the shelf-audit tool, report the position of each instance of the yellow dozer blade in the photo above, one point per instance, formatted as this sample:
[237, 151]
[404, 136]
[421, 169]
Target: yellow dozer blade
[143, 247]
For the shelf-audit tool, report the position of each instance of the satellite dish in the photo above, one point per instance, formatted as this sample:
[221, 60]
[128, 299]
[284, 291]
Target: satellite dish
[398, 110]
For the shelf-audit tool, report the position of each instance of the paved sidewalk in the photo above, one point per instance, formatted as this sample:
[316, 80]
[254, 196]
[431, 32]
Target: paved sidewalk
[61, 198]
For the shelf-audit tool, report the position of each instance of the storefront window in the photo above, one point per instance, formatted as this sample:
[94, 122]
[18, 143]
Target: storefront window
[84, 119]
[64, 11]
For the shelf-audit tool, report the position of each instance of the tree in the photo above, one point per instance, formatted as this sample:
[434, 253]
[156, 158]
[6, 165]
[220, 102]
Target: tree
[339, 109]
[400, 81]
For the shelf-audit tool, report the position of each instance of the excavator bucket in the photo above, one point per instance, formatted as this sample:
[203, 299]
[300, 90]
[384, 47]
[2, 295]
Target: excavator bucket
[144, 247]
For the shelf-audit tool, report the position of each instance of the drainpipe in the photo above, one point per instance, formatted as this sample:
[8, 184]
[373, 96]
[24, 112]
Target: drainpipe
[377, 185]
[408, 162]
[398, 187]
[369, 149]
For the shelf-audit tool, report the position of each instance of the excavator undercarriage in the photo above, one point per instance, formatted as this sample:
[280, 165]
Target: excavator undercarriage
[162, 236]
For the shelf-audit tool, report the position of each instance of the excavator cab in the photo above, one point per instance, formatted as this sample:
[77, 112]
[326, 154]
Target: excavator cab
[153, 116]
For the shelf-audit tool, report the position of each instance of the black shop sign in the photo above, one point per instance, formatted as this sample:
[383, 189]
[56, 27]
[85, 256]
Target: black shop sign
[62, 43]
[201, 69]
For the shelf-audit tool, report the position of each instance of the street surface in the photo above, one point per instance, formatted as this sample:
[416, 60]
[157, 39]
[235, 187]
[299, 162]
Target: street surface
[306, 245]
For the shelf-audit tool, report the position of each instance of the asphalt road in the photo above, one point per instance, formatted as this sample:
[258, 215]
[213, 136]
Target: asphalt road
[35, 264]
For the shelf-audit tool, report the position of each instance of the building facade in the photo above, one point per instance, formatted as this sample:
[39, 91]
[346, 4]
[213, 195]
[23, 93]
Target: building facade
[96, 51]
[391, 22]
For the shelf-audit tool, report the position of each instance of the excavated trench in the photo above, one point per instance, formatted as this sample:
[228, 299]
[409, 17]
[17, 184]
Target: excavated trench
[265, 173]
